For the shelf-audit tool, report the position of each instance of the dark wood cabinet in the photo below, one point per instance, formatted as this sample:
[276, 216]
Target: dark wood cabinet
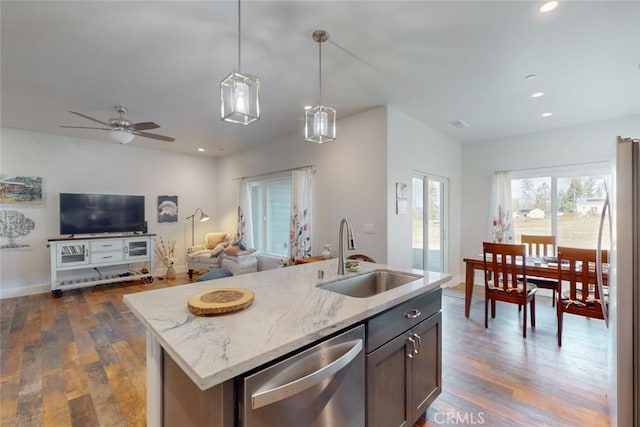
[404, 376]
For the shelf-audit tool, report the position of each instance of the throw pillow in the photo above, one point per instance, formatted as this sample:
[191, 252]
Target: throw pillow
[236, 251]
[213, 239]
[217, 250]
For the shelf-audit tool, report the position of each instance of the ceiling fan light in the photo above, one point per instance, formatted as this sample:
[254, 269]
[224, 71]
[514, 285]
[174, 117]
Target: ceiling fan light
[121, 136]
[240, 98]
[320, 124]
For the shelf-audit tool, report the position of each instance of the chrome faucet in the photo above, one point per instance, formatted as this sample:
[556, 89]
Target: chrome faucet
[351, 245]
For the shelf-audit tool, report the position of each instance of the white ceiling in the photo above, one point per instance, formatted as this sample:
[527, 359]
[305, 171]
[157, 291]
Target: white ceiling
[436, 61]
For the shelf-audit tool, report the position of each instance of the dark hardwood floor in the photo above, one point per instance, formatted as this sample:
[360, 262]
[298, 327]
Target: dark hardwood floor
[80, 361]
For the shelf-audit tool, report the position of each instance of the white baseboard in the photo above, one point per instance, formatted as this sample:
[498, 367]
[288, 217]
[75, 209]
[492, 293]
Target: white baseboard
[24, 291]
[455, 281]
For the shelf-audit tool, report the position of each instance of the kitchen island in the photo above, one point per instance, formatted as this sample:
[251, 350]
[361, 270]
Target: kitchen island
[289, 312]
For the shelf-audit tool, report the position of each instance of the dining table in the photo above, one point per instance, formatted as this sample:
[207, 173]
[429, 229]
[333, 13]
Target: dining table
[538, 267]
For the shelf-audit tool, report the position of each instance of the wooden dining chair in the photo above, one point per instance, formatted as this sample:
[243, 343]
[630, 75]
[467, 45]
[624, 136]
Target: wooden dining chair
[581, 295]
[505, 280]
[541, 246]
[361, 257]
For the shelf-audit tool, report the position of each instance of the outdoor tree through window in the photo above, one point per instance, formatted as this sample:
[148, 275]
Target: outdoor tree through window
[568, 207]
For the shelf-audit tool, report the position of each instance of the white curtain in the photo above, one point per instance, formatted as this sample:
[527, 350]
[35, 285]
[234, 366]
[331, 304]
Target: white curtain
[300, 232]
[500, 213]
[244, 230]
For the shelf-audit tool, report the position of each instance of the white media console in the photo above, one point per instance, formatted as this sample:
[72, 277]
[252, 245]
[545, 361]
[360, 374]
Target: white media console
[77, 262]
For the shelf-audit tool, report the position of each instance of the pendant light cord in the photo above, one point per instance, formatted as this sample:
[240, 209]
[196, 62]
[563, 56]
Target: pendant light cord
[320, 69]
[239, 35]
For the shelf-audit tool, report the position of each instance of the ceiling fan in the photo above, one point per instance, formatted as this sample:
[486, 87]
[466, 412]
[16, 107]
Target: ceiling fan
[121, 129]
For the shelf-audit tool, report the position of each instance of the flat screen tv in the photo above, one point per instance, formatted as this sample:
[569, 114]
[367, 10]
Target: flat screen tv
[101, 213]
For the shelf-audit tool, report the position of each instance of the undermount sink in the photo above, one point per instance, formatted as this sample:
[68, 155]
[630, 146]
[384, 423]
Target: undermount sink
[369, 284]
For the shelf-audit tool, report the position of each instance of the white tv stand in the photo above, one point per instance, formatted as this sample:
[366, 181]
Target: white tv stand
[78, 262]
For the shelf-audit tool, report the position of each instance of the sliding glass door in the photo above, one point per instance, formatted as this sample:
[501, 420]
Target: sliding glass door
[429, 223]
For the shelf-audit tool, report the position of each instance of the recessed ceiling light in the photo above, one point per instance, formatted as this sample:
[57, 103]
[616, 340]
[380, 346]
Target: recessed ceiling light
[308, 107]
[537, 94]
[201, 149]
[548, 6]
[547, 114]
[458, 124]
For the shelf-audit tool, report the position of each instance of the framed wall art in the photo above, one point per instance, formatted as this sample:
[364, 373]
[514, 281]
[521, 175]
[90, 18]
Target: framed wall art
[20, 189]
[402, 203]
[167, 208]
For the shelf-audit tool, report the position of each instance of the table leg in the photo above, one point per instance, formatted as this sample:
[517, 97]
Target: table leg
[468, 289]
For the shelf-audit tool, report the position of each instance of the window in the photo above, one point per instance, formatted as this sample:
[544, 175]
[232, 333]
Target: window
[271, 214]
[567, 204]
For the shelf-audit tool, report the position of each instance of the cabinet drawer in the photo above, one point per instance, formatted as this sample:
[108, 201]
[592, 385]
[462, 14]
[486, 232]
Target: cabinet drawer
[393, 322]
[107, 245]
[103, 257]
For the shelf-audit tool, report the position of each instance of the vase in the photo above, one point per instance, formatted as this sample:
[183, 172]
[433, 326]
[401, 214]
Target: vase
[171, 273]
[326, 253]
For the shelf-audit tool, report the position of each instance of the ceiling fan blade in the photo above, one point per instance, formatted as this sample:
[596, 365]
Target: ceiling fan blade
[154, 136]
[144, 126]
[82, 127]
[90, 118]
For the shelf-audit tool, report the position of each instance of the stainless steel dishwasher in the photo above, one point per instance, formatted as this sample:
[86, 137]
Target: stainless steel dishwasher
[323, 386]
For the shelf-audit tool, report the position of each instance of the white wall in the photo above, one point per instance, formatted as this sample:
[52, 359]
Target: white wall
[350, 179]
[84, 166]
[412, 147]
[578, 144]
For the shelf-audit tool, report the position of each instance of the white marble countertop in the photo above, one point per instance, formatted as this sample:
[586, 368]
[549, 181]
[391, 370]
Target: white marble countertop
[288, 312]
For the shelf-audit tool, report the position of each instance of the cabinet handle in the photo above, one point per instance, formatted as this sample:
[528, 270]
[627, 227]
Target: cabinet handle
[412, 352]
[419, 341]
[107, 257]
[413, 314]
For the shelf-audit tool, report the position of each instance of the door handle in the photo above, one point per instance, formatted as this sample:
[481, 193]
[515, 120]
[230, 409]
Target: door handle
[418, 341]
[413, 314]
[606, 209]
[412, 352]
[267, 397]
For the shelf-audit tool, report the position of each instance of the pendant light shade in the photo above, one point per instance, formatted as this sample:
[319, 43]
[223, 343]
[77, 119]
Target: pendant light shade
[320, 121]
[240, 93]
[320, 124]
[239, 96]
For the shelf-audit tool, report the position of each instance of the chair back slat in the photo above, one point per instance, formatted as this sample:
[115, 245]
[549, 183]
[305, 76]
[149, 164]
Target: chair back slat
[579, 269]
[507, 262]
[539, 246]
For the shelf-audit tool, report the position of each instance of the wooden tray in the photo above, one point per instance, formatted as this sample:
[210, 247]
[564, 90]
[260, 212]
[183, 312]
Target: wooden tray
[220, 301]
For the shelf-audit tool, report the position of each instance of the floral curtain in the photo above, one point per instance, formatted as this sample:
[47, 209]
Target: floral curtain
[501, 216]
[244, 230]
[300, 233]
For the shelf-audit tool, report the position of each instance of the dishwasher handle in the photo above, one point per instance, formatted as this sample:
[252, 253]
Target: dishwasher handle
[267, 397]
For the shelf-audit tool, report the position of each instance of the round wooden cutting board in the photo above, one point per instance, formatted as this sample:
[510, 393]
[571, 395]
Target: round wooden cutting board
[219, 301]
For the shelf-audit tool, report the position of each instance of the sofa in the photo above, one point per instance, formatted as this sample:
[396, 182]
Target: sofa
[206, 256]
[219, 251]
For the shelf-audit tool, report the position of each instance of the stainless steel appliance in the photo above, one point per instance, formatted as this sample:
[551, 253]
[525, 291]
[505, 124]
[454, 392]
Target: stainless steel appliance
[625, 285]
[321, 386]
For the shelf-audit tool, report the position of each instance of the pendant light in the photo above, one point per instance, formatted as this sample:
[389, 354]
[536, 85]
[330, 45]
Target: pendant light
[240, 93]
[320, 121]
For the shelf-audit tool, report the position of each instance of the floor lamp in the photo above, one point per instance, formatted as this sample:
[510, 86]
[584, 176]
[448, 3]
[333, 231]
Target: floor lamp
[203, 217]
